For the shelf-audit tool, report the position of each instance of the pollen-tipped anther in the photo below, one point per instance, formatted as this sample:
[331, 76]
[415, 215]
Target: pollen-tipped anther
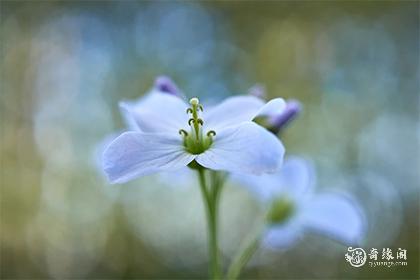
[211, 133]
[183, 132]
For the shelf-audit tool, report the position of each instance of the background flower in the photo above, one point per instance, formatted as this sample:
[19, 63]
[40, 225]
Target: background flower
[335, 215]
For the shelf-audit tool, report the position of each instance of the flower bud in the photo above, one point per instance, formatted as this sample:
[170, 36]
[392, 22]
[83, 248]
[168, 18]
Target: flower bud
[278, 122]
[166, 85]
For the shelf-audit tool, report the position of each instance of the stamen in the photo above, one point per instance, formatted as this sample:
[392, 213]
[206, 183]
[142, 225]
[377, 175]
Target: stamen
[196, 142]
[211, 133]
[183, 132]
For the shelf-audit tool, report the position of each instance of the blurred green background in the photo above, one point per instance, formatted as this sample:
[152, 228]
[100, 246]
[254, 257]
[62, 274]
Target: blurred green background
[65, 66]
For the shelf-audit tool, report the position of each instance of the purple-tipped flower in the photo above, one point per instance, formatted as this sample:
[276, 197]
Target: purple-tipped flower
[166, 85]
[277, 119]
[278, 122]
[293, 207]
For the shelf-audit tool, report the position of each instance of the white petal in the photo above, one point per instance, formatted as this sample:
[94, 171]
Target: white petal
[265, 186]
[160, 112]
[336, 216]
[232, 111]
[283, 236]
[297, 177]
[294, 180]
[247, 148]
[272, 108]
[100, 148]
[135, 154]
[126, 109]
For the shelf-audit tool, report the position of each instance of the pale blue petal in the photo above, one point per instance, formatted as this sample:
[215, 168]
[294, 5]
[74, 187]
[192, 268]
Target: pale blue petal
[283, 236]
[126, 108]
[159, 112]
[247, 148]
[297, 177]
[232, 111]
[100, 148]
[294, 180]
[144, 102]
[265, 186]
[135, 154]
[271, 108]
[337, 216]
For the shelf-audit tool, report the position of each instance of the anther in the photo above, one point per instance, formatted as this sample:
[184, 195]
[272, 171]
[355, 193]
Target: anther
[211, 133]
[200, 107]
[183, 132]
[189, 111]
[191, 121]
[200, 121]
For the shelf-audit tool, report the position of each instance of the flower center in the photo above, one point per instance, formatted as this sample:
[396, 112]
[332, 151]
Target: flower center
[196, 141]
[281, 210]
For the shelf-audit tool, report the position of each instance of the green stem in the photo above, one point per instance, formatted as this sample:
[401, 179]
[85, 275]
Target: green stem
[246, 252]
[210, 197]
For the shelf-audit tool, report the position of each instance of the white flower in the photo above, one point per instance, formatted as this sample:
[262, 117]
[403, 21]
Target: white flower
[293, 207]
[172, 134]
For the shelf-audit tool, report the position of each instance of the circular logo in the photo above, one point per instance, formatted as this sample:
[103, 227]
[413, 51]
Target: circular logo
[356, 257]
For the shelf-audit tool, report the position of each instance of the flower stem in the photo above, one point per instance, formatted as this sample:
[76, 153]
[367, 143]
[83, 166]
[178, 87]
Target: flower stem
[248, 248]
[210, 197]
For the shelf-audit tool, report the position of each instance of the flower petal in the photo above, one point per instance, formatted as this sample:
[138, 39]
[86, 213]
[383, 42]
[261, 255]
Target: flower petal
[135, 154]
[265, 186]
[336, 216]
[273, 107]
[279, 121]
[232, 111]
[159, 112]
[294, 180]
[126, 108]
[283, 236]
[247, 148]
[297, 177]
